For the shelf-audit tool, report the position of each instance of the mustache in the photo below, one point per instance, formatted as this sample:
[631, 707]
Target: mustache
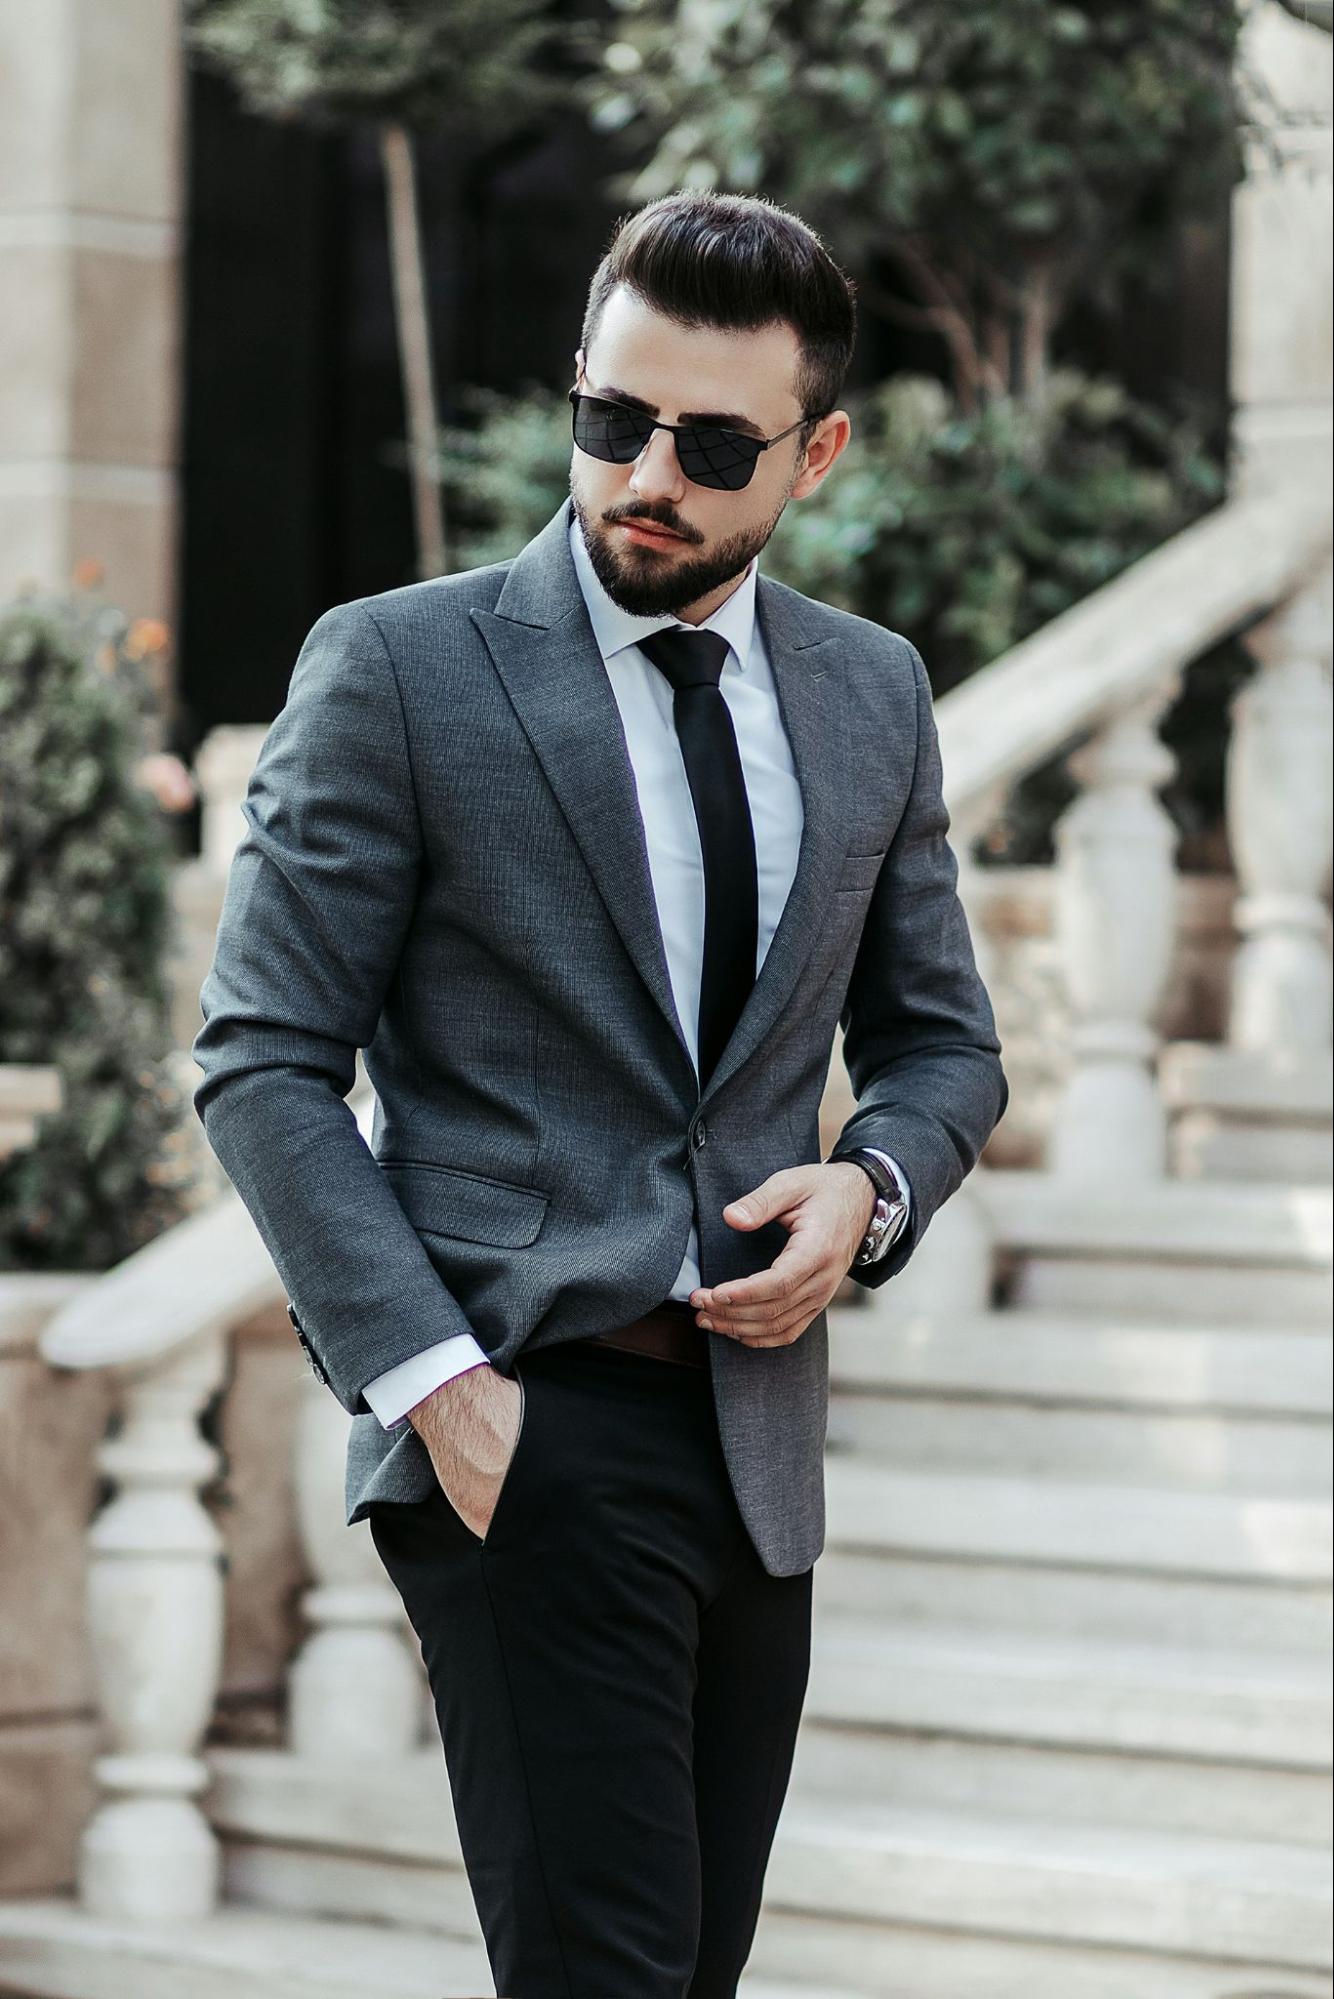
[651, 519]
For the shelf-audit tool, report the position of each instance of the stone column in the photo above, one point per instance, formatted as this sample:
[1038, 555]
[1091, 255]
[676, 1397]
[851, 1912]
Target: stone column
[90, 161]
[1281, 263]
[223, 764]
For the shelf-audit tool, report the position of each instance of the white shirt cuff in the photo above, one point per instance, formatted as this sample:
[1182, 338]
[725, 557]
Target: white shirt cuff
[401, 1388]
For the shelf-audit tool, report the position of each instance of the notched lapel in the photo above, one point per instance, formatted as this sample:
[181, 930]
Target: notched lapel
[542, 644]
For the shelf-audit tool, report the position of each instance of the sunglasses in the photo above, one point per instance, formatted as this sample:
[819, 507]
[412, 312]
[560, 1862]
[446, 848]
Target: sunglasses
[707, 454]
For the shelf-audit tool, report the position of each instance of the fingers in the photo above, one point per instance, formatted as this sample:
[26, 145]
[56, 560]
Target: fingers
[769, 1322]
[764, 1294]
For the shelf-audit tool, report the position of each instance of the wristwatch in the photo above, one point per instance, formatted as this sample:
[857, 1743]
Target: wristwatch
[890, 1211]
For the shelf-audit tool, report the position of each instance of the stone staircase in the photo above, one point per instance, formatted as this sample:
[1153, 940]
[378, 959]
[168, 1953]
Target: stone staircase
[1068, 1729]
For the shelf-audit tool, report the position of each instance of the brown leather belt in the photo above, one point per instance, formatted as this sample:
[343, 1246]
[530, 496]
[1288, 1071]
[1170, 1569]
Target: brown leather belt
[668, 1332]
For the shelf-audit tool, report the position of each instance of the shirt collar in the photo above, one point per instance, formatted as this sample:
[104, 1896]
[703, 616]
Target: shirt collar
[615, 629]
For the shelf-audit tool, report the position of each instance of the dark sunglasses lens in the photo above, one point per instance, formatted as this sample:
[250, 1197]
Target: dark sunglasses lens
[720, 458]
[609, 431]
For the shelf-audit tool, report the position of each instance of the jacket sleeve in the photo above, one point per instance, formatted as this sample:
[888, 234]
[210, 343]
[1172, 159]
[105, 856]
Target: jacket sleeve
[318, 901]
[919, 1038]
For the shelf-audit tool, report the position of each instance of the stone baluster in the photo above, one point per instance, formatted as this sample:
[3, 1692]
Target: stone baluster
[1115, 914]
[223, 764]
[950, 1276]
[155, 1608]
[1279, 810]
[968, 824]
[355, 1686]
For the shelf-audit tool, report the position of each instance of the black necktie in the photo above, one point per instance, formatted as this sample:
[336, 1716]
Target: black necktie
[693, 662]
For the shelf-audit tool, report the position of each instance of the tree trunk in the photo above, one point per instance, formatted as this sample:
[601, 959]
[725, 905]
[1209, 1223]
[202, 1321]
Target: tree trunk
[414, 346]
[1037, 313]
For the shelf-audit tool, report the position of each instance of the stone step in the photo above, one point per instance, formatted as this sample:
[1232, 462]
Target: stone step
[1202, 1251]
[1078, 1523]
[53, 1949]
[1060, 1358]
[973, 1773]
[1210, 1453]
[911, 1961]
[49, 1949]
[1239, 1409]
[1208, 1075]
[912, 1585]
[1239, 1116]
[878, 1866]
[1207, 1147]
[924, 1961]
[1183, 1894]
[1261, 1709]
[1176, 1221]
[1169, 1737]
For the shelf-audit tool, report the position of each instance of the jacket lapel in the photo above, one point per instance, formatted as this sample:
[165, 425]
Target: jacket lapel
[541, 641]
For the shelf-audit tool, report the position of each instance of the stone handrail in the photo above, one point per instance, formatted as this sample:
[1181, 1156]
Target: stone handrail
[203, 1276]
[1128, 639]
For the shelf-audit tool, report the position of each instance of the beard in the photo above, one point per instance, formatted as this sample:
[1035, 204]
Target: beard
[650, 585]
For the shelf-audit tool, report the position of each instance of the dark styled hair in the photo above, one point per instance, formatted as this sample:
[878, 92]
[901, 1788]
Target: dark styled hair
[737, 261]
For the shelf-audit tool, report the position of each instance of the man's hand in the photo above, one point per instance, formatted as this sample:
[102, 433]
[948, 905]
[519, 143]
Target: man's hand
[827, 1211]
[470, 1426]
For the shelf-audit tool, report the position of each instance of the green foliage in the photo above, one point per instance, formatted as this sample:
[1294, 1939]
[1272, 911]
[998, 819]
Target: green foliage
[84, 929]
[971, 532]
[506, 471]
[470, 64]
[1004, 157]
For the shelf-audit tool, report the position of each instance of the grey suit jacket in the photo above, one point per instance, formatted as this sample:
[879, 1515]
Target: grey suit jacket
[444, 865]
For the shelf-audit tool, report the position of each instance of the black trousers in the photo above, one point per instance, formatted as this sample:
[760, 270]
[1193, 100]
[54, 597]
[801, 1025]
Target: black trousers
[618, 1682]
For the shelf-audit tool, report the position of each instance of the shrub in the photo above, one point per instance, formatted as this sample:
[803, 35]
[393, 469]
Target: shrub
[84, 930]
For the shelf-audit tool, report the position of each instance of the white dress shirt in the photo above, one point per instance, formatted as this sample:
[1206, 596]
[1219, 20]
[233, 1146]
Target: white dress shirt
[644, 698]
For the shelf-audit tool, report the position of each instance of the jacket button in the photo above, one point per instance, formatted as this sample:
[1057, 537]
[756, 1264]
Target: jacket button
[698, 1135]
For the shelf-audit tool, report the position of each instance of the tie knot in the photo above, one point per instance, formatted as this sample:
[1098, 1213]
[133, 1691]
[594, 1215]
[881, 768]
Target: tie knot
[688, 659]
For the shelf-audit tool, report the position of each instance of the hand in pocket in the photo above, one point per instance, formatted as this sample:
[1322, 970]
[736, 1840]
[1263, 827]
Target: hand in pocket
[471, 1428]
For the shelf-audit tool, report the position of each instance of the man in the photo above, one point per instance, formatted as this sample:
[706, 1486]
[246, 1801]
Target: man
[590, 851]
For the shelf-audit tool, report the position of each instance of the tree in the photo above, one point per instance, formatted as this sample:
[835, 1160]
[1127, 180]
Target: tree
[404, 65]
[1002, 159]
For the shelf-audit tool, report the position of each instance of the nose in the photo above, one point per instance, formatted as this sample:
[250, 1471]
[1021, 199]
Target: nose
[657, 473]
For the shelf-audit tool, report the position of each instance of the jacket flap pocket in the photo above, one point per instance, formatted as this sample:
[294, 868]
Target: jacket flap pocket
[443, 1200]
